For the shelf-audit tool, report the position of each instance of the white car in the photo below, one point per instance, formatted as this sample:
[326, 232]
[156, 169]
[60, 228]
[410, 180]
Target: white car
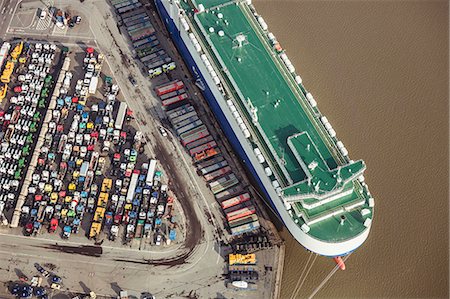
[163, 131]
[42, 14]
[158, 240]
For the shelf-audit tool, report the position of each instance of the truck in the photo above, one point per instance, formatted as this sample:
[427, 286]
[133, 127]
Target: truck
[215, 174]
[169, 87]
[139, 228]
[4, 50]
[93, 85]
[235, 200]
[151, 172]
[194, 134]
[84, 168]
[120, 115]
[132, 186]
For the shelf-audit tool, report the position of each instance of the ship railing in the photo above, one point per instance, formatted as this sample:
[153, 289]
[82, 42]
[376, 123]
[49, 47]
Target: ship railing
[233, 95]
[297, 90]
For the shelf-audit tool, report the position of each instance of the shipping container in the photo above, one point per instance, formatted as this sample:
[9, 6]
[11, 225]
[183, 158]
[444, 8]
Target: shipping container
[213, 167]
[4, 50]
[175, 99]
[223, 183]
[245, 228]
[199, 142]
[241, 213]
[169, 87]
[194, 134]
[243, 220]
[121, 115]
[190, 126]
[202, 147]
[218, 173]
[235, 200]
[229, 193]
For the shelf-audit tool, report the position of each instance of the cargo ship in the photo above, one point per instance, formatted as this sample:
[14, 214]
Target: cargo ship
[273, 122]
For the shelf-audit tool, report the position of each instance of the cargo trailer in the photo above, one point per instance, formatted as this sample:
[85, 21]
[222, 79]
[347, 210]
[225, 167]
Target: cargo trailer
[138, 25]
[169, 87]
[199, 142]
[245, 228]
[175, 99]
[218, 173]
[137, 12]
[193, 135]
[202, 147]
[172, 94]
[214, 167]
[183, 117]
[153, 55]
[190, 126]
[141, 33]
[243, 220]
[223, 183]
[148, 40]
[235, 200]
[132, 186]
[159, 62]
[241, 213]
[129, 7]
[151, 172]
[209, 162]
[229, 193]
[121, 115]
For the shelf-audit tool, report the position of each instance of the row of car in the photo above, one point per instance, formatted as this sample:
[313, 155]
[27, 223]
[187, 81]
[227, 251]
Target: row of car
[21, 118]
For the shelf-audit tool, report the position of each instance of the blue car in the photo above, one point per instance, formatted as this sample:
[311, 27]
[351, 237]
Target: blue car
[39, 292]
[56, 279]
[22, 291]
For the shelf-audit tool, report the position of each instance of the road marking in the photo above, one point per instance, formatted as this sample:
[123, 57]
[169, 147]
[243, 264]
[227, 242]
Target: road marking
[43, 23]
[10, 20]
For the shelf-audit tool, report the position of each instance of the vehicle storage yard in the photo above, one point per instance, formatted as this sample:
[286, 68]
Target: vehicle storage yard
[111, 183]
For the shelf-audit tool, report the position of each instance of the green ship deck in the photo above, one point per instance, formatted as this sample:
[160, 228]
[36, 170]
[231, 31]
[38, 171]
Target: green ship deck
[317, 180]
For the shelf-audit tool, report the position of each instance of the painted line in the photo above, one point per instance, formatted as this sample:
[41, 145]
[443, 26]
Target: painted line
[17, 4]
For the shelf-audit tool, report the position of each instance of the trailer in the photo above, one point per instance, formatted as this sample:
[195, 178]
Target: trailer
[235, 200]
[120, 115]
[245, 211]
[158, 62]
[84, 169]
[243, 220]
[172, 94]
[169, 87]
[199, 142]
[229, 193]
[218, 173]
[245, 228]
[182, 117]
[147, 40]
[223, 183]
[137, 12]
[139, 229]
[138, 25]
[194, 134]
[93, 85]
[132, 186]
[209, 162]
[190, 126]
[151, 172]
[213, 167]
[153, 55]
[141, 33]
[175, 99]
[129, 7]
[4, 50]
[202, 148]
[172, 113]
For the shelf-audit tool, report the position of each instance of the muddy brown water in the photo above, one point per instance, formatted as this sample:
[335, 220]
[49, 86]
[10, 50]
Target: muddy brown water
[379, 72]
